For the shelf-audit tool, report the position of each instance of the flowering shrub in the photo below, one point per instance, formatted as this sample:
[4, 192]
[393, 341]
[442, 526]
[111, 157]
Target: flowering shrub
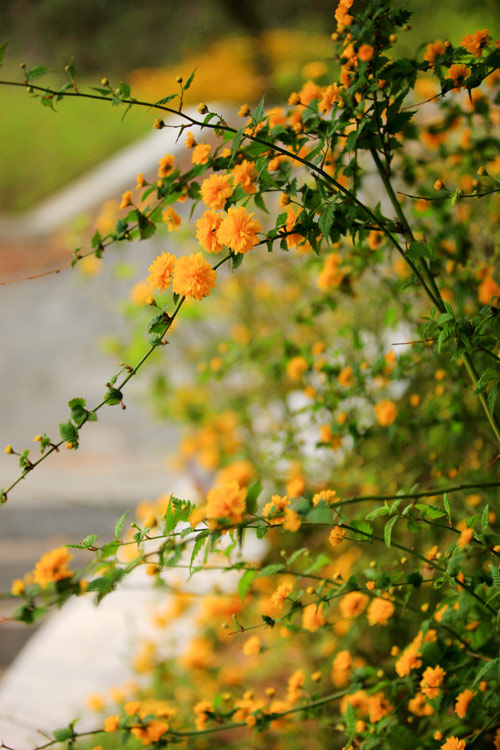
[342, 414]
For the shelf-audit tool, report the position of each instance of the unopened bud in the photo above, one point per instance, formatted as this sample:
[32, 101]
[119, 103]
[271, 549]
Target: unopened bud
[158, 124]
[104, 81]
[179, 79]
[202, 108]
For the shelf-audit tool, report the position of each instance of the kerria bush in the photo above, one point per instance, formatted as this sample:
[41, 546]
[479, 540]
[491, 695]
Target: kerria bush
[338, 399]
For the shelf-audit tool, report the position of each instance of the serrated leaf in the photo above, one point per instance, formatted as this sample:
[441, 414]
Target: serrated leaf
[35, 72]
[89, 540]
[326, 220]
[236, 143]
[270, 570]
[485, 519]
[60, 735]
[119, 524]
[361, 526]
[68, 432]
[495, 574]
[384, 510]
[258, 113]
[113, 396]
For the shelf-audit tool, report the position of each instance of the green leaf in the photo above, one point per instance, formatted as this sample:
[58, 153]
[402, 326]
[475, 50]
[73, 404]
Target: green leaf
[113, 396]
[109, 549]
[236, 143]
[252, 497]
[190, 80]
[119, 524]
[326, 220]
[362, 526]
[89, 540]
[269, 620]
[68, 432]
[258, 113]
[485, 520]
[495, 574]
[146, 227]
[270, 570]
[447, 506]
[63, 734]
[388, 530]
[490, 671]
[384, 510]
[245, 582]
[35, 72]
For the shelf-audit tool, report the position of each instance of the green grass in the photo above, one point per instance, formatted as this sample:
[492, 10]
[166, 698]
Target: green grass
[44, 150]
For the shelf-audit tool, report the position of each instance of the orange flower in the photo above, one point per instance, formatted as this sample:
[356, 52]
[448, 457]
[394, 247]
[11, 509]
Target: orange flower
[251, 647]
[245, 174]
[453, 743]
[419, 706]
[475, 43]
[465, 537]
[346, 377]
[161, 271]
[385, 412]
[336, 536]
[312, 617]
[166, 165]
[330, 96]
[379, 611]
[407, 661]
[215, 190]
[193, 276]
[365, 52]
[431, 681]
[226, 501]
[458, 73]
[52, 567]
[291, 520]
[201, 153]
[462, 702]
[296, 367]
[434, 50]
[171, 218]
[238, 231]
[126, 199]
[329, 496]
[281, 593]
[352, 604]
[206, 231]
[111, 723]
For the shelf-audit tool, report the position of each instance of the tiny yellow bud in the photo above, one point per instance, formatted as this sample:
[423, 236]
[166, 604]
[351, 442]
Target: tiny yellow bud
[9, 449]
[316, 676]
[202, 108]
[438, 185]
[226, 696]
[179, 79]
[158, 124]
[481, 171]
[393, 38]
[310, 590]
[69, 446]
[152, 569]
[104, 81]
[270, 691]
[37, 438]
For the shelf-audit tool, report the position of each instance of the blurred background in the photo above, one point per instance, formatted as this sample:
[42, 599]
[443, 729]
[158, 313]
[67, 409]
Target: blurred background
[241, 48]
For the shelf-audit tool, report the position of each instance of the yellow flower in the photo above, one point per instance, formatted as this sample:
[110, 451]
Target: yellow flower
[462, 702]
[475, 43]
[201, 153]
[291, 521]
[458, 73]
[312, 617]
[453, 743]
[17, 587]
[166, 165]
[365, 52]
[161, 271]
[329, 496]
[193, 276]
[171, 218]
[281, 593]
[408, 660]
[296, 367]
[111, 723]
[52, 567]
[433, 50]
[465, 536]
[345, 377]
[385, 412]
[206, 231]
[431, 681]
[140, 181]
[126, 199]
[190, 141]
[244, 174]
[352, 604]
[251, 647]
[238, 231]
[215, 190]
[336, 536]
[379, 611]
[226, 501]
